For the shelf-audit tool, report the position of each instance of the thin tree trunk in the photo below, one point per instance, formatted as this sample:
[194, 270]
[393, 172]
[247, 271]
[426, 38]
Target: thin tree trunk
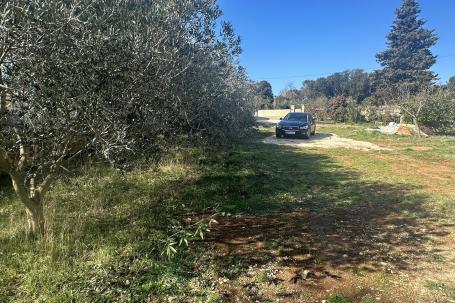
[2, 93]
[33, 206]
[416, 125]
[35, 219]
[2, 101]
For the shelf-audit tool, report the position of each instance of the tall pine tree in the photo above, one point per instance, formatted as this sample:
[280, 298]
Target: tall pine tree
[451, 84]
[408, 58]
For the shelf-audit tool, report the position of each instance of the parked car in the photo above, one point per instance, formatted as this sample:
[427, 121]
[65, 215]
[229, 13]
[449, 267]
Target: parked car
[296, 125]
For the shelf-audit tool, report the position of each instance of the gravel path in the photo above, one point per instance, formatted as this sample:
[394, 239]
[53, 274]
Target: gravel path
[325, 141]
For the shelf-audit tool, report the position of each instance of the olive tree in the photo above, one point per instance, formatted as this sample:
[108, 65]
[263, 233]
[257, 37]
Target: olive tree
[116, 79]
[438, 113]
[410, 102]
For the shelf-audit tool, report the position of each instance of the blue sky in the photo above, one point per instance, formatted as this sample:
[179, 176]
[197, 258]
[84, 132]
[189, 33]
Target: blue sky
[287, 41]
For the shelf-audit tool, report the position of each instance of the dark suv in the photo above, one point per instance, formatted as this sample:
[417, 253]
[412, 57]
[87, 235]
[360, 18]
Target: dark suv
[296, 124]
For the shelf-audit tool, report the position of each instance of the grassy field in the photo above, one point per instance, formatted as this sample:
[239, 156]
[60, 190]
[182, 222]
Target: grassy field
[293, 225]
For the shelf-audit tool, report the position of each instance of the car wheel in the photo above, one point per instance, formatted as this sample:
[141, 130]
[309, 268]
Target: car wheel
[305, 136]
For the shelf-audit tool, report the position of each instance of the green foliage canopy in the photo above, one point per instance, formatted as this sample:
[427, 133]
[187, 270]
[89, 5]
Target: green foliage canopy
[354, 83]
[113, 79]
[263, 93]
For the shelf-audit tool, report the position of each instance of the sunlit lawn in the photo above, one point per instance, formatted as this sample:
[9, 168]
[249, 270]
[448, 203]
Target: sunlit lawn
[106, 232]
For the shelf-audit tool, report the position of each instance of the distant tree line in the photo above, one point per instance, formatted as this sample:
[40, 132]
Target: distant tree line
[356, 84]
[405, 81]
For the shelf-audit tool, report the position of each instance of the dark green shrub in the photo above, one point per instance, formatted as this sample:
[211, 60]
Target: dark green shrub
[336, 109]
[438, 114]
[353, 112]
[373, 100]
[344, 109]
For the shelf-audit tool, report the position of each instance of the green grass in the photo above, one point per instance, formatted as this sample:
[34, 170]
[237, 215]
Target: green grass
[369, 299]
[104, 240]
[400, 165]
[441, 288]
[442, 147]
[336, 298]
[106, 232]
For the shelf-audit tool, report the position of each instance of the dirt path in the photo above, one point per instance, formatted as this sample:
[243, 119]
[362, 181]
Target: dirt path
[325, 141]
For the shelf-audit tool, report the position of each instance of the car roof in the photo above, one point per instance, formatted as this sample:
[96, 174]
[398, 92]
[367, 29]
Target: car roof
[299, 113]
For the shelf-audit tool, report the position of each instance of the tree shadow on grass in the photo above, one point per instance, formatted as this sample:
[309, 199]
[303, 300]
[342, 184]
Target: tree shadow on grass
[305, 211]
[285, 203]
[290, 206]
[5, 182]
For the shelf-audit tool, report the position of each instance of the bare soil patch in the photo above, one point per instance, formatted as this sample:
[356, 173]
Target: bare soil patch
[302, 256]
[325, 141]
[421, 148]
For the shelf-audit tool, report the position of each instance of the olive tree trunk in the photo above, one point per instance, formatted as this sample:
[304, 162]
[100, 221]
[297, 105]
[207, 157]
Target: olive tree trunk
[416, 125]
[33, 203]
[35, 220]
[2, 92]
[2, 101]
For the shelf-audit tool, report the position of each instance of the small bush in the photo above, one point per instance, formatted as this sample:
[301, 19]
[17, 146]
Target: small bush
[373, 100]
[390, 116]
[438, 113]
[342, 109]
[336, 109]
[318, 108]
[353, 113]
